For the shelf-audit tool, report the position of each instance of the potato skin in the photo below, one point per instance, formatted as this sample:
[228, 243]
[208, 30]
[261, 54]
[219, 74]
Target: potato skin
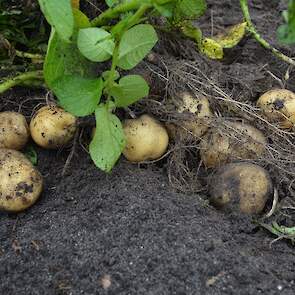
[146, 139]
[14, 130]
[242, 187]
[217, 149]
[20, 183]
[278, 105]
[52, 127]
[199, 108]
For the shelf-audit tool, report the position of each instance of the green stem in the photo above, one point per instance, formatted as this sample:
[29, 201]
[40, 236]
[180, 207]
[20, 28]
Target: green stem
[137, 16]
[21, 79]
[28, 55]
[131, 22]
[110, 81]
[259, 39]
[112, 13]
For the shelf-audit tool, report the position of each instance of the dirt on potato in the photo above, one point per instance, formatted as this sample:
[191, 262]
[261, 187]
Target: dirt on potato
[130, 232]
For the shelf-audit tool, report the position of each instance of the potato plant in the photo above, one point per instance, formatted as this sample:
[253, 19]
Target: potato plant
[117, 40]
[120, 37]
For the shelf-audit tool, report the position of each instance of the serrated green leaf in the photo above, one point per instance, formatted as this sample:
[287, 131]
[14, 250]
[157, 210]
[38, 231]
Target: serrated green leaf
[108, 141]
[286, 32]
[60, 16]
[135, 44]
[95, 44]
[64, 59]
[130, 89]
[77, 95]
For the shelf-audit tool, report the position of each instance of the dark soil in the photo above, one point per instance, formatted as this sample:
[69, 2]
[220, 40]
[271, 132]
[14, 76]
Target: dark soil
[129, 232]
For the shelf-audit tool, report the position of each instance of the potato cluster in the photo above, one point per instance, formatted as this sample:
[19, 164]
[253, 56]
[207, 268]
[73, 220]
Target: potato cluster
[20, 182]
[236, 184]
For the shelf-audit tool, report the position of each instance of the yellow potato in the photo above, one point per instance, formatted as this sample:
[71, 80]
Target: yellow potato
[20, 183]
[52, 127]
[243, 187]
[146, 139]
[197, 124]
[278, 105]
[243, 141]
[14, 130]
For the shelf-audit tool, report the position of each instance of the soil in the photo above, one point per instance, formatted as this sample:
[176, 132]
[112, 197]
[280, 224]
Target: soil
[129, 232]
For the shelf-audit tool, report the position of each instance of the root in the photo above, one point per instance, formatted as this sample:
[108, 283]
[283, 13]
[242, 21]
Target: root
[72, 153]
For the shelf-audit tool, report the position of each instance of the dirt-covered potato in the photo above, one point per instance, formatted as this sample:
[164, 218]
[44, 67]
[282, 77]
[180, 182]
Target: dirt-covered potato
[237, 141]
[52, 127]
[14, 130]
[20, 182]
[243, 187]
[196, 123]
[146, 139]
[278, 105]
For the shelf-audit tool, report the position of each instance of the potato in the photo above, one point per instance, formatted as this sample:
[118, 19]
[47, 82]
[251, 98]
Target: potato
[243, 141]
[14, 130]
[146, 139]
[20, 183]
[197, 124]
[243, 187]
[278, 105]
[52, 127]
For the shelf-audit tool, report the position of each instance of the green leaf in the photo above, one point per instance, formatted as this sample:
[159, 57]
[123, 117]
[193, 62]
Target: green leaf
[77, 95]
[165, 9]
[109, 140]
[129, 90]
[135, 44]
[64, 59]
[96, 44]
[59, 15]
[286, 32]
[189, 9]
[31, 154]
[192, 32]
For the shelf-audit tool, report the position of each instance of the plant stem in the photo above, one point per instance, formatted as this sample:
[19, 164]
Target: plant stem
[28, 55]
[114, 12]
[110, 80]
[111, 13]
[137, 16]
[259, 39]
[21, 79]
[132, 21]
